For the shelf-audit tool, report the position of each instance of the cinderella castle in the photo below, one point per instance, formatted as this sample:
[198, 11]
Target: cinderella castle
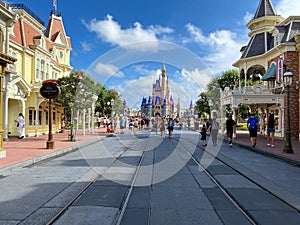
[160, 103]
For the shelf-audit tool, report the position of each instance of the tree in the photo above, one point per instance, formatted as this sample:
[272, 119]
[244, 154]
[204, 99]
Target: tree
[213, 93]
[229, 78]
[104, 103]
[202, 104]
[68, 86]
[77, 90]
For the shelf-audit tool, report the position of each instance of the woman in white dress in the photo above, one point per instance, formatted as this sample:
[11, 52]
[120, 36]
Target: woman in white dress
[20, 124]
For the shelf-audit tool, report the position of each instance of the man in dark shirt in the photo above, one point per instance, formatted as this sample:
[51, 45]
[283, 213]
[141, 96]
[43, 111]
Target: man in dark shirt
[230, 128]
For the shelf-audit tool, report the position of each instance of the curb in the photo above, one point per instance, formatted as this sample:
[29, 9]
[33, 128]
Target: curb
[30, 162]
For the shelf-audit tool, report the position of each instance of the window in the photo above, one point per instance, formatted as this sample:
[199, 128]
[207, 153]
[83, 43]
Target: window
[40, 118]
[47, 117]
[47, 71]
[54, 75]
[42, 69]
[37, 70]
[54, 119]
[61, 54]
[31, 117]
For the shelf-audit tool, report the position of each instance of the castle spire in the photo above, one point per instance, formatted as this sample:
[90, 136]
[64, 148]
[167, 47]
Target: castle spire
[163, 70]
[265, 8]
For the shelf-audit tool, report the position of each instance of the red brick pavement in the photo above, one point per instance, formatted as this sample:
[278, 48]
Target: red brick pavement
[31, 148]
[243, 138]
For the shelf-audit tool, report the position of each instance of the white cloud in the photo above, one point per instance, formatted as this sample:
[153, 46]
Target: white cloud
[201, 78]
[223, 47]
[249, 16]
[108, 70]
[134, 90]
[144, 71]
[85, 46]
[287, 8]
[196, 34]
[111, 32]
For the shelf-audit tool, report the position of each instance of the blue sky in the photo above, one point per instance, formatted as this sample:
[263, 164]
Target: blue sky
[122, 44]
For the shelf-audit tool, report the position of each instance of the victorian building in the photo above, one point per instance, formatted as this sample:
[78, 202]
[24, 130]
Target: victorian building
[7, 20]
[273, 49]
[42, 54]
[160, 102]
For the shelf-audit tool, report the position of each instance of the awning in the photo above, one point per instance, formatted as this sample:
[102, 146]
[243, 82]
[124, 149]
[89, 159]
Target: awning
[270, 74]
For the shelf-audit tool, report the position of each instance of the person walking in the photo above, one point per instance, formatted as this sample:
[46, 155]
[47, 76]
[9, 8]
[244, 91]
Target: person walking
[135, 126]
[170, 126]
[214, 130]
[99, 121]
[162, 127]
[131, 125]
[230, 129]
[252, 125]
[203, 135]
[20, 124]
[271, 130]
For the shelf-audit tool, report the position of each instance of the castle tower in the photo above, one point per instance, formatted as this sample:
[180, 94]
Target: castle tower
[163, 82]
[160, 102]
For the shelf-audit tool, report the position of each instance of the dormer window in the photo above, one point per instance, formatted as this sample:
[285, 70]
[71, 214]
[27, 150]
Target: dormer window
[61, 54]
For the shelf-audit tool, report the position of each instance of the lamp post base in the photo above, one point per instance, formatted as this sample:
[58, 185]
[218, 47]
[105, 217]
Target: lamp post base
[288, 149]
[50, 144]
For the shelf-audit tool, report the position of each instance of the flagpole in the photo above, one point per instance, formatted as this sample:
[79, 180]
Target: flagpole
[54, 4]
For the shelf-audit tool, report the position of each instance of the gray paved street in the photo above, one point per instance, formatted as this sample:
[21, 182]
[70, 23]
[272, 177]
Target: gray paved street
[145, 179]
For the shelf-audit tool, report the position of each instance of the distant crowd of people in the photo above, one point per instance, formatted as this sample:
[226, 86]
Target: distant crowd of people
[209, 127]
[134, 124]
[212, 128]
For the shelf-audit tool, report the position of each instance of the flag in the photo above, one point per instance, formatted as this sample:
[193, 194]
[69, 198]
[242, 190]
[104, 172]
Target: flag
[54, 4]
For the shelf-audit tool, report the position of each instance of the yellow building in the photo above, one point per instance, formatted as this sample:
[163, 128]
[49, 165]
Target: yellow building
[40, 56]
[7, 19]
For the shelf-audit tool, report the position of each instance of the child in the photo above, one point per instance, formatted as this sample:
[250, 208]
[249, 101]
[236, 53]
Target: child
[203, 135]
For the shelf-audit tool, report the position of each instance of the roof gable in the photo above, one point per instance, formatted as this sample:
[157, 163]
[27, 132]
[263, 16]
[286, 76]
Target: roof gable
[56, 32]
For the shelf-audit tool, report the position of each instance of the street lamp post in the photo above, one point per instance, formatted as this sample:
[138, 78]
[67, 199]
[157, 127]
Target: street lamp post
[210, 104]
[288, 78]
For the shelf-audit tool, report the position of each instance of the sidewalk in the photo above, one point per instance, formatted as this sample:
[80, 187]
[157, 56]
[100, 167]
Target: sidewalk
[31, 150]
[242, 139]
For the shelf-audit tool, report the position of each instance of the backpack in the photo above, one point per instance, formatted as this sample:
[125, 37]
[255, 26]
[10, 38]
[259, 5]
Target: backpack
[252, 123]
